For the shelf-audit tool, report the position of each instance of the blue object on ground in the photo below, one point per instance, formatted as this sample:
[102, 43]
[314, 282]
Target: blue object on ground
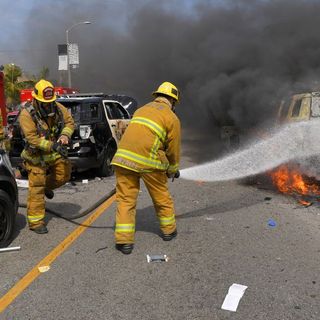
[272, 223]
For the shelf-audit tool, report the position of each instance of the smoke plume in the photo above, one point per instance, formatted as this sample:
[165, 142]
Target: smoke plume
[233, 61]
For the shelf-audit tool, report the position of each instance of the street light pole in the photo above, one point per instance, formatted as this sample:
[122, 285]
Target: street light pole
[67, 39]
[68, 67]
[12, 66]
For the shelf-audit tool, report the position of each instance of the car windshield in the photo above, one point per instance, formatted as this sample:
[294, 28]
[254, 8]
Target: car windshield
[83, 112]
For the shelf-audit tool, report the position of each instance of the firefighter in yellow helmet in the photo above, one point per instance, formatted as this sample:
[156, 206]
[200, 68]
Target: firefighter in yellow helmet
[150, 150]
[47, 127]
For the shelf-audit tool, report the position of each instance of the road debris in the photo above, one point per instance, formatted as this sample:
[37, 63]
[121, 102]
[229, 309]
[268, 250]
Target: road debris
[10, 249]
[100, 249]
[157, 258]
[305, 204]
[272, 223]
[43, 269]
[232, 299]
[85, 181]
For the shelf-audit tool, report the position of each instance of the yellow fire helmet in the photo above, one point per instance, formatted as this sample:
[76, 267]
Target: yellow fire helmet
[44, 91]
[168, 89]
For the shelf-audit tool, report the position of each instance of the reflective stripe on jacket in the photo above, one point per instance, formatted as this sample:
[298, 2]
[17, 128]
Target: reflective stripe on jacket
[152, 139]
[39, 149]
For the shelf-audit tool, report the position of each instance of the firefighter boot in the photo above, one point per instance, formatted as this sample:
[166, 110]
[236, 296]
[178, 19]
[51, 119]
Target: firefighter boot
[49, 193]
[125, 248]
[170, 236]
[40, 229]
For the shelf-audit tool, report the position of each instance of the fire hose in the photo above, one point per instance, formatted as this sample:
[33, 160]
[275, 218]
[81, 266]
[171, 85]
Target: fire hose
[95, 205]
[62, 149]
[82, 213]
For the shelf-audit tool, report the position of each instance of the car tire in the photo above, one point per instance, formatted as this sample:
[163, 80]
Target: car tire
[106, 169]
[7, 218]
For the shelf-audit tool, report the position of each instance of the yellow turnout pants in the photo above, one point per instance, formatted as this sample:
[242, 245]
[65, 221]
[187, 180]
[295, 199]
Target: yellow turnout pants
[127, 190]
[40, 178]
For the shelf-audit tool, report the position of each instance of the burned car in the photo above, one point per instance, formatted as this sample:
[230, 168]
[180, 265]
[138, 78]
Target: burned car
[8, 199]
[100, 121]
[299, 107]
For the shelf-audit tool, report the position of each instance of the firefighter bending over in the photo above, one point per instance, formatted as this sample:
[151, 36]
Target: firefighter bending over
[47, 127]
[149, 149]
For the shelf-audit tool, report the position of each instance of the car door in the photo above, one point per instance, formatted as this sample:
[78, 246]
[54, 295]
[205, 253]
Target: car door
[315, 105]
[117, 117]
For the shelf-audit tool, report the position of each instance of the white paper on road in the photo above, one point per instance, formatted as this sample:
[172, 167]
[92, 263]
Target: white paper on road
[233, 297]
[22, 183]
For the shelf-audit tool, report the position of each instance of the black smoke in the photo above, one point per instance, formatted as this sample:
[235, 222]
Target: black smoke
[233, 61]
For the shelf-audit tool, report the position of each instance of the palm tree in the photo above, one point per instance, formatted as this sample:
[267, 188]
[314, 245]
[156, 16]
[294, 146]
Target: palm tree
[14, 84]
[43, 74]
[11, 75]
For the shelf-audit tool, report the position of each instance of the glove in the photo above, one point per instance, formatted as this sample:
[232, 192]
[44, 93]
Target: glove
[175, 175]
[61, 149]
[63, 139]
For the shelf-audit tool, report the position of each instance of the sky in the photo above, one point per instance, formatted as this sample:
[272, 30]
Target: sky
[20, 17]
[15, 42]
[233, 61]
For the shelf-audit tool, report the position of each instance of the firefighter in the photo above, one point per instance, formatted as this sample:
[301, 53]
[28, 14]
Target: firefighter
[47, 127]
[150, 150]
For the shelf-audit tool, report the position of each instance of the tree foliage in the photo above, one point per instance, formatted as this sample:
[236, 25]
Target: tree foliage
[15, 80]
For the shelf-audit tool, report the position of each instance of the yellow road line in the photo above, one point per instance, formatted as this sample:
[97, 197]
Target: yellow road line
[19, 287]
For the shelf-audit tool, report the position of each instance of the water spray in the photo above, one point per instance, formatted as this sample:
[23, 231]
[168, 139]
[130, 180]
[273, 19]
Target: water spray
[295, 141]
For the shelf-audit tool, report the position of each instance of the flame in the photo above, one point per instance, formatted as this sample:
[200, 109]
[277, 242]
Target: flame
[305, 203]
[290, 180]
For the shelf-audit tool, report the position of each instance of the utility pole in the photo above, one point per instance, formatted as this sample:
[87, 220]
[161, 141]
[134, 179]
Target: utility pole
[67, 39]
[12, 67]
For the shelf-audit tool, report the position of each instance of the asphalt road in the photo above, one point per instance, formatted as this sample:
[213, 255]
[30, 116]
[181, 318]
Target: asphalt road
[224, 238]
